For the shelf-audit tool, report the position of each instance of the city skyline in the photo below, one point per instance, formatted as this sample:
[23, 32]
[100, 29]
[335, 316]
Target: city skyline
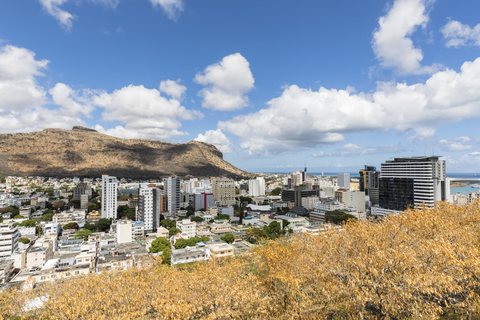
[274, 85]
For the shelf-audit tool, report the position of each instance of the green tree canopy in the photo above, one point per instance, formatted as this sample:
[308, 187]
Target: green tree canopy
[338, 217]
[255, 234]
[104, 224]
[47, 211]
[90, 226]
[18, 217]
[167, 223]
[228, 238]
[71, 225]
[24, 240]
[167, 256]
[47, 217]
[197, 219]
[74, 203]
[58, 205]
[26, 223]
[222, 217]
[244, 199]
[159, 244]
[82, 234]
[174, 231]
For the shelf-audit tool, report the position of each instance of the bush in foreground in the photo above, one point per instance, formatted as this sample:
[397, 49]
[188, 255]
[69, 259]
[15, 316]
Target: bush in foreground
[417, 265]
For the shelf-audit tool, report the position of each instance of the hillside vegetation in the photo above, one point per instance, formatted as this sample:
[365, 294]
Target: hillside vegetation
[88, 153]
[423, 264]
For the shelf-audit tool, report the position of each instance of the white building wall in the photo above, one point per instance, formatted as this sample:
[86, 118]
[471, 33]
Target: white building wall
[109, 197]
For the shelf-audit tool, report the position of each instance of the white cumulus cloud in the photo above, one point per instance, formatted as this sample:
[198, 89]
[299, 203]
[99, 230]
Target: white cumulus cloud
[303, 118]
[228, 82]
[392, 44]
[145, 113]
[458, 34]
[18, 85]
[172, 88]
[217, 138]
[171, 7]
[458, 144]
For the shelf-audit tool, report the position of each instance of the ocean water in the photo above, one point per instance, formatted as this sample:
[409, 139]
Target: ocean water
[463, 190]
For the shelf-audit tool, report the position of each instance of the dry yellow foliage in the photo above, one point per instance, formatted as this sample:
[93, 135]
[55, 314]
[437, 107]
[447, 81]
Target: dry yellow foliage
[415, 265]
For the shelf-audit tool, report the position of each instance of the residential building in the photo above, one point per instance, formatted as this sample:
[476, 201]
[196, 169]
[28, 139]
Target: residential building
[256, 187]
[411, 181]
[109, 197]
[172, 191]
[124, 231]
[343, 180]
[53, 228]
[221, 250]
[224, 191]
[9, 236]
[190, 254]
[317, 217]
[149, 208]
[187, 227]
[6, 270]
[39, 253]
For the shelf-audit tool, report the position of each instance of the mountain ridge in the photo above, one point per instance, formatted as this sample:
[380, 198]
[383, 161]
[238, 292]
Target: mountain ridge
[86, 152]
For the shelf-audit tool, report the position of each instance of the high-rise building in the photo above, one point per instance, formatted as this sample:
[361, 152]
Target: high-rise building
[172, 191]
[203, 201]
[109, 197]
[369, 183]
[149, 208]
[412, 181]
[256, 187]
[223, 190]
[9, 236]
[343, 180]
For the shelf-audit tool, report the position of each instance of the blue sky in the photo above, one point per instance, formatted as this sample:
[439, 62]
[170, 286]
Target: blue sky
[273, 84]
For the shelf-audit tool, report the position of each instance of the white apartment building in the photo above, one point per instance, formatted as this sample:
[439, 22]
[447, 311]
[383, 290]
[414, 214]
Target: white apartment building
[9, 236]
[124, 231]
[53, 228]
[329, 206]
[172, 191]
[149, 208]
[109, 197]
[256, 187]
[188, 228]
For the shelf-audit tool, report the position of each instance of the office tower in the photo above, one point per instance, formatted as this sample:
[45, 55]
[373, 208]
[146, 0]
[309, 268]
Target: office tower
[203, 201]
[149, 208]
[223, 190]
[256, 187]
[109, 197]
[412, 181]
[298, 177]
[369, 183]
[172, 191]
[343, 180]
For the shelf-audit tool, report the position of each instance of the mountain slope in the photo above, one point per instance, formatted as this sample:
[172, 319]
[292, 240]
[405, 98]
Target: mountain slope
[86, 152]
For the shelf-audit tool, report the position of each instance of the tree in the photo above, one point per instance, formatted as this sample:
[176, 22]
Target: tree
[228, 238]
[38, 230]
[103, 224]
[173, 231]
[18, 217]
[222, 217]
[159, 244]
[27, 223]
[123, 198]
[83, 234]
[36, 220]
[255, 234]
[92, 206]
[205, 238]
[47, 212]
[338, 217]
[74, 203]
[167, 256]
[167, 223]
[90, 226]
[58, 205]
[47, 217]
[71, 225]
[181, 243]
[274, 229]
[24, 240]
[197, 219]
[244, 199]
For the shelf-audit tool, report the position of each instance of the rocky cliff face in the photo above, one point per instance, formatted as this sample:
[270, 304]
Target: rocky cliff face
[87, 153]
